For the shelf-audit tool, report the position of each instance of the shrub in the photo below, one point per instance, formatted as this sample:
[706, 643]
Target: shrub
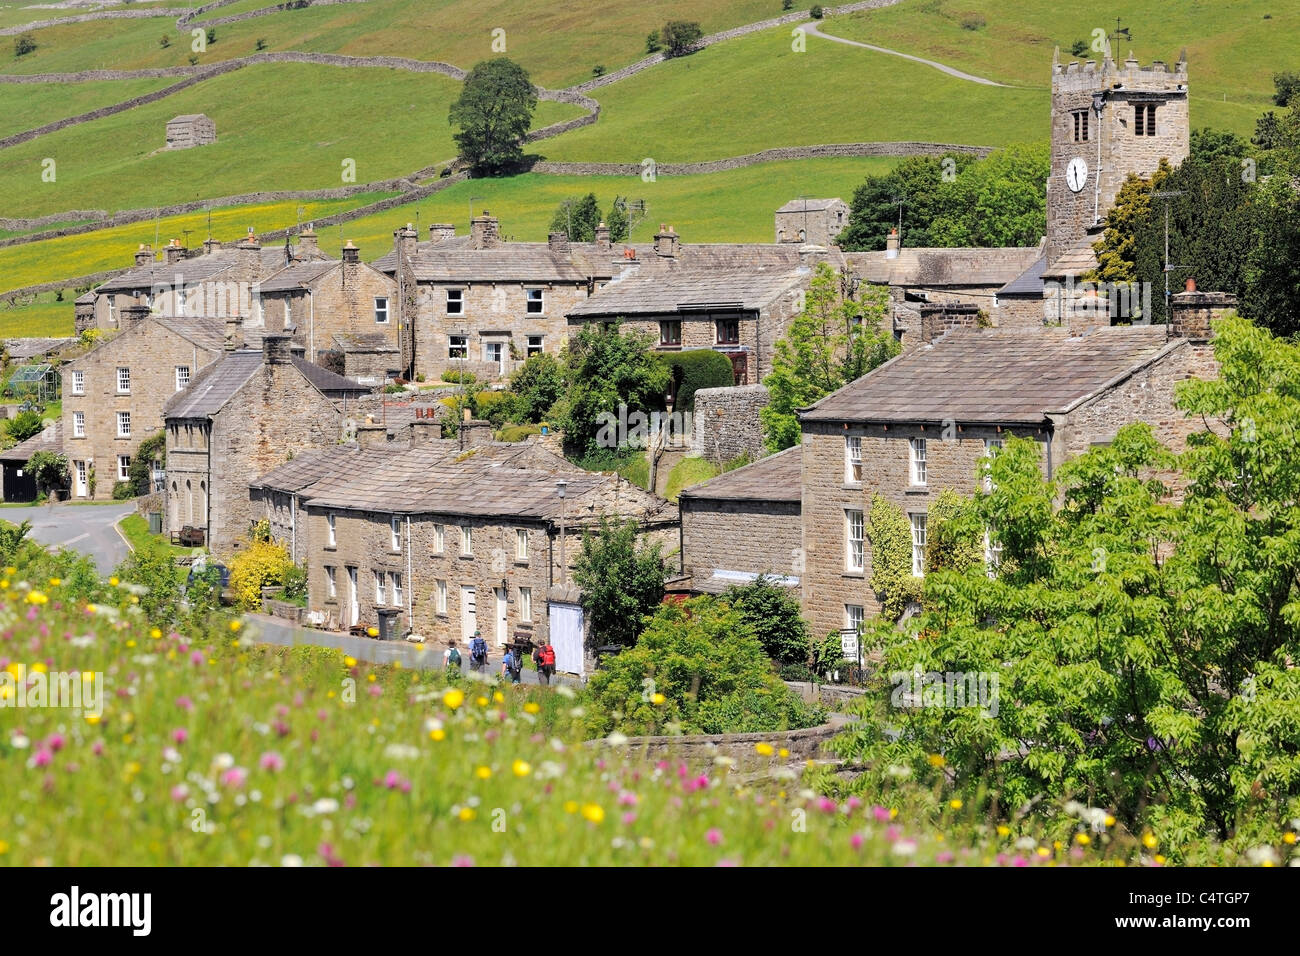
[652, 44]
[262, 564]
[1079, 48]
[622, 580]
[973, 21]
[123, 490]
[787, 4]
[696, 369]
[165, 41]
[890, 535]
[393, 389]
[518, 432]
[24, 43]
[598, 70]
[152, 570]
[211, 36]
[23, 426]
[1287, 88]
[12, 537]
[457, 377]
[49, 470]
[494, 407]
[261, 43]
[771, 612]
[817, 12]
[537, 385]
[680, 37]
[141, 469]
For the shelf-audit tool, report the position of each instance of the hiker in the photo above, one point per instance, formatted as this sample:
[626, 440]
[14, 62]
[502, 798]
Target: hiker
[544, 657]
[451, 657]
[478, 653]
[511, 666]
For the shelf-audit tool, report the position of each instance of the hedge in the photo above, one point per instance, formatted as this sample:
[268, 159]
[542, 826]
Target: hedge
[696, 369]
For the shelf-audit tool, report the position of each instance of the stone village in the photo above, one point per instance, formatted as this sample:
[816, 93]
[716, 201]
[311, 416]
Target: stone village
[265, 367]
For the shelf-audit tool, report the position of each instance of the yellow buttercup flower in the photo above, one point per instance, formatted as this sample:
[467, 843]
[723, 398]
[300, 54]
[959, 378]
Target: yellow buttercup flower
[371, 678]
[1288, 838]
[764, 749]
[236, 625]
[531, 707]
[130, 643]
[372, 631]
[91, 609]
[570, 806]
[1110, 821]
[55, 582]
[92, 718]
[1044, 852]
[481, 701]
[521, 768]
[40, 668]
[349, 662]
[936, 760]
[454, 698]
[155, 633]
[1004, 830]
[499, 697]
[1160, 858]
[483, 772]
[658, 699]
[113, 581]
[593, 812]
[783, 753]
[36, 597]
[1082, 839]
[437, 734]
[1149, 840]
[467, 814]
[955, 804]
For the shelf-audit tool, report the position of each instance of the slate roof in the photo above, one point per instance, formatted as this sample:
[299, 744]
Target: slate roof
[50, 439]
[206, 333]
[191, 270]
[1029, 282]
[993, 376]
[1074, 261]
[331, 383]
[811, 205]
[680, 291]
[20, 349]
[363, 342]
[774, 478]
[944, 266]
[297, 276]
[217, 382]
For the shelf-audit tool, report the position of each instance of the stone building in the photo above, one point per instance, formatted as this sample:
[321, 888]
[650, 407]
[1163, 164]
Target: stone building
[926, 420]
[449, 541]
[340, 311]
[239, 418]
[815, 221]
[742, 524]
[727, 423]
[113, 396]
[16, 480]
[189, 130]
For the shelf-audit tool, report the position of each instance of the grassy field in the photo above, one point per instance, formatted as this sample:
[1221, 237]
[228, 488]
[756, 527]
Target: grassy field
[1233, 49]
[755, 92]
[687, 472]
[135, 528]
[43, 317]
[35, 104]
[118, 162]
[557, 44]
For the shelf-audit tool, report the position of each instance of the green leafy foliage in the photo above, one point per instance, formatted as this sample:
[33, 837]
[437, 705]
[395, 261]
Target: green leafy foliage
[890, 535]
[578, 218]
[622, 580]
[494, 113]
[771, 612]
[679, 37]
[23, 426]
[153, 575]
[141, 468]
[695, 369]
[12, 537]
[536, 385]
[49, 470]
[954, 537]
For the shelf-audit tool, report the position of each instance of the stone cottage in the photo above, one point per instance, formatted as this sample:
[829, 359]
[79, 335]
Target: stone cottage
[239, 418]
[815, 221]
[926, 421]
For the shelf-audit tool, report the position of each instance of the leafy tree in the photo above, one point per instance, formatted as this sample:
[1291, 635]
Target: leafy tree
[23, 426]
[837, 336]
[1272, 268]
[617, 220]
[997, 201]
[918, 182]
[578, 218]
[652, 44]
[1078, 48]
[1267, 131]
[1286, 88]
[1116, 248]
[621, 580]
[771, 612]
[494, 113]
[24, 43]
[680, 37]
[537, 385]
[1212, 145]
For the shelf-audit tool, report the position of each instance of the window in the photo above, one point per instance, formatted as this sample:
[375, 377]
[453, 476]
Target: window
[331, 585]
[439, 539]
[670, 332]
[123, 467]
[918, 545]
[853, 618]
[395, 532]
[728, 331]
[853, 459]
[992, 551]
[440, 596]
[536, 305]
[853, 539]
[379, 587]
[458, 346]
[466, 540]
[525, 604]
[917, 453]
[521, 544]
[991, 447]
[78, 383]
[1144, 119]
[332, 539]
[124, 381]
[1080, 126]
[381, 309]
[288, 315]
[123, 424]
[455, 301]
[78, 424]
[534, 346]
[395, 588]
[182, 377]
[493, 352]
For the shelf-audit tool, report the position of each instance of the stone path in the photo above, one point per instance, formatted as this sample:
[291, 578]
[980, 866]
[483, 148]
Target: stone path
[813, 29]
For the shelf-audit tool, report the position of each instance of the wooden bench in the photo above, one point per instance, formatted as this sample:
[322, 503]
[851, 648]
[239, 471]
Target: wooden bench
[189, 537]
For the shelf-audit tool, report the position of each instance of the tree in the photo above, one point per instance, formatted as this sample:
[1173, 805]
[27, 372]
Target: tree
[1116, 248]
[679, 37]
[1286, 88]
[621, 580]
[1142, 644]
[578, 218]
[1272, 269]
[1211, 145]
[837, 337]
[537, 385]
[771, 612]
[617, 220]
[24, 43]
[494, 113]
[23, 426]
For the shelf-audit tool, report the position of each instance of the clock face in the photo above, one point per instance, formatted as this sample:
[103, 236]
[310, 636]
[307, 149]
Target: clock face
[1076, 174]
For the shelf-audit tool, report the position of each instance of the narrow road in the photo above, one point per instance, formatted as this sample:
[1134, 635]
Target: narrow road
[86, 528]
[813, 29]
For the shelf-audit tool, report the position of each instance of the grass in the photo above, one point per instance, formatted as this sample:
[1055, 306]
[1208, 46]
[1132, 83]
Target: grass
[1232, 50]
[43, 317]
[687, 472]
[135, 528]
[637, 471]
[27, 106]
[118, 162]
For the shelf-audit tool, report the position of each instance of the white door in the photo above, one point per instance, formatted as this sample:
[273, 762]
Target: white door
[502, 636]
[82, 487]
[354, 612]
[468, 612]
[566, 637]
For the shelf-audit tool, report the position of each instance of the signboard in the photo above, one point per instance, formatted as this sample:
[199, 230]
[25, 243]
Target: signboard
[849, 644]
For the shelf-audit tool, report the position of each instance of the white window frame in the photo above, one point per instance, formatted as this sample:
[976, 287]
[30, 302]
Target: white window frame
[440, 596]
[78, 382]
[526, 604]
[916, 449]
[458, 302]
[379, 588]
[521, 544]
[124, 380]
[331, 583]
[123, 470]
[853, 459]
[439, 538]
[123, 424]
[991, 447]
[381, 310]
[537, 296]
[78, 424]
[530, 349]
[854, 539]
[457, 342]
[395, 588]
[855, 616]
[182, 377]
[395, 533]
[333, 536]
[466, 540]
[918, 523]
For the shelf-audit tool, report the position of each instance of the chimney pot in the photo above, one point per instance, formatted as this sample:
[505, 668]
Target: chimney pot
[1189, 285]
[892, 244]
[275, 350]
[351, 254]
[144, 255]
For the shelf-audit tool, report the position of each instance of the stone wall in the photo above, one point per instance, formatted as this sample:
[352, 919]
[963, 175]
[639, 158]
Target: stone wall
[804, 744]
[760, 537]
[727, 424]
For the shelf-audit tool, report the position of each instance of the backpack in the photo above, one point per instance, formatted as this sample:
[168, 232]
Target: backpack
[478, 650]
[513, 666]
[453, 658]
[548, 656]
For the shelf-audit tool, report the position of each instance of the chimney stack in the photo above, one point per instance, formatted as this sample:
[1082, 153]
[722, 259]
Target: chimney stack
[938, 318]
[250, 255]
[307, 248]
[404, 241]
[475, 433]
[441, 231]
[558, 242]
[211, 245]
[484, 231]
[426, 431]
[234, 333]
[132, 315]
[275, 349]
[1191, 312]
[144, 255]
[372, 435]
[352, 255]
[602, 237]
[174, 252]
[666, 242]
[892, 244]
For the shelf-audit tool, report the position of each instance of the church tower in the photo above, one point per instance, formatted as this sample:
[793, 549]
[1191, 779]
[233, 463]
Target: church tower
[1108, 120]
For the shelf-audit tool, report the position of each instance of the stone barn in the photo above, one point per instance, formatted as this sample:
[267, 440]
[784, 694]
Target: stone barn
[818, 221]
[192, 129]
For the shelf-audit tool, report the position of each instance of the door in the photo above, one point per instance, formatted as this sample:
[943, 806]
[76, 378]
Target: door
[502, 636]
[566, 637]
[354, 611]
[82, 486]
[468, 612]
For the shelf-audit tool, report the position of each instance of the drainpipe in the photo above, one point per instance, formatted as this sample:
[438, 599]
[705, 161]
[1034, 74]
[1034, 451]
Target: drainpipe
[293, 528]
[410, 582]
[311, 327]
